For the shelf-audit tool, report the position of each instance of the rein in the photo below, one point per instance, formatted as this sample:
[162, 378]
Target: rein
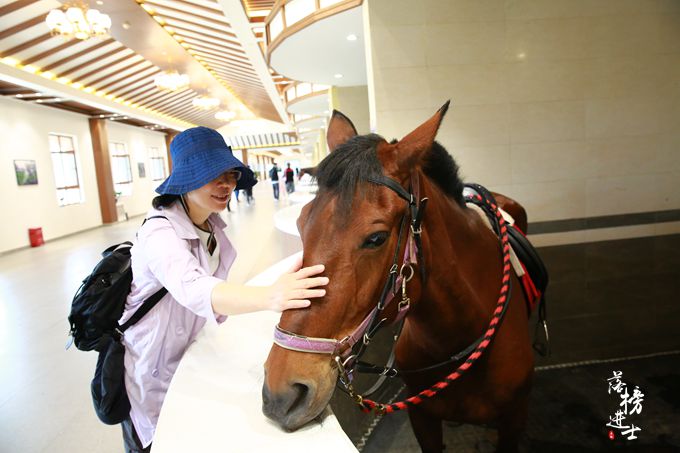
[345, 352]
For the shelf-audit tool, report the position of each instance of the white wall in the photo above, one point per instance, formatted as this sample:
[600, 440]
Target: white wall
[138, 141]
[573, 108]
[24, 128]
[353, 103]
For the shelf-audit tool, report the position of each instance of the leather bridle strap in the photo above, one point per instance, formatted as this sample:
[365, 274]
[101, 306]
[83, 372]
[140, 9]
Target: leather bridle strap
[350, 347]
[417, 211]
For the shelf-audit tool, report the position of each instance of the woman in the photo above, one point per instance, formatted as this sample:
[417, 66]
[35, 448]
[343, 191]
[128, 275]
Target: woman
[188, 253]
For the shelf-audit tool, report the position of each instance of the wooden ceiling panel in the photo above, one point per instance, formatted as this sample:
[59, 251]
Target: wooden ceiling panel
[10, 7]
[129, 78]
[197, 24]
[183, 13]
[24, 26]
[48, 52]
[207, 32]
[88, 48]
[112, 72]
[259, 5]
[112, 68]
[92, 59]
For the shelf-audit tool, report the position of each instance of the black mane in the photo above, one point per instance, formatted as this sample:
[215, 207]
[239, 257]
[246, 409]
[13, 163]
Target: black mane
[356, 161]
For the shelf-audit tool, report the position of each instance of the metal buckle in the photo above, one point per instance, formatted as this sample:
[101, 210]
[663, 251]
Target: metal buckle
[408, 266]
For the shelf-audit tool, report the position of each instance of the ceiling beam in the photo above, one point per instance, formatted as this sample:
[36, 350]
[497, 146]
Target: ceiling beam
[109, 65]
[172, 101]
[149, 86]
[160, 8]
[95, 60]
[10, 8]
[129, 77]
[49, 52]
[228, 37]
[170, 22]
[26, 45]
[78, 54]
[22, 26]
[190, 13]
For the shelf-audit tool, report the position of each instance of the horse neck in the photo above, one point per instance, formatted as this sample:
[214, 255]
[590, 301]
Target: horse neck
[464, 267]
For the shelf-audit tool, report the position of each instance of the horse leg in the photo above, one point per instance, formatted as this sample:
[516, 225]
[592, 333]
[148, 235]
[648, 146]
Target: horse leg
[428, 430]
[511, 425]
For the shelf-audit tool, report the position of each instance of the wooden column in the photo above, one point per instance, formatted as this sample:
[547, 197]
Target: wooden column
[102, 165]
[168, 138]
[244, 154]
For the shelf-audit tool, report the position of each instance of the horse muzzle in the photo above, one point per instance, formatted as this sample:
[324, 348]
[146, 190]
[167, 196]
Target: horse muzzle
[293, 406]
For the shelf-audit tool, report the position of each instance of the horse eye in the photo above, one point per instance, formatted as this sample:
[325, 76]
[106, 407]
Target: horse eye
[375, 240]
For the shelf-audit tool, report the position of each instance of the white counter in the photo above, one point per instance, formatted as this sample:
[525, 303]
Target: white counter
[214, 403]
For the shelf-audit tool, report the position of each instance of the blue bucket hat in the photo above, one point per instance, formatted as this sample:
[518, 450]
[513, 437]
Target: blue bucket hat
[200, 155]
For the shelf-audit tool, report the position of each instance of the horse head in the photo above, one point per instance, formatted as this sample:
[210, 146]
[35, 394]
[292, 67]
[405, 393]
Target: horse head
[354, 227]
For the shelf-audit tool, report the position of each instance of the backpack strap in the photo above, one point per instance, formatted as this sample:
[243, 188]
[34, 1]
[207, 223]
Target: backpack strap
[148, 303]
[154, 217]
[144, 309]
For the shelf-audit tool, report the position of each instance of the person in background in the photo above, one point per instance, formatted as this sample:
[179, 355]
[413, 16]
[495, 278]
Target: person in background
[187, 252]
[274, 175]
[249, 190]
[289, 175]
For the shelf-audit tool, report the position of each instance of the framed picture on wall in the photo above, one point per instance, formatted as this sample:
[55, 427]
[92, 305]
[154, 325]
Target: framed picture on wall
[141, 169]
[26, 172]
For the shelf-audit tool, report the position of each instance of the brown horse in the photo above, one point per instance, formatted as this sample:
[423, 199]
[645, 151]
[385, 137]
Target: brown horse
[353, 226]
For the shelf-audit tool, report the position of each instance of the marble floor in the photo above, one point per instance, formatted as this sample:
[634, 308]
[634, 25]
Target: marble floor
[45, 403]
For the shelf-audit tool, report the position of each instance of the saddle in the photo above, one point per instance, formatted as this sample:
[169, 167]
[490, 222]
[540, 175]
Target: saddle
[533, 274]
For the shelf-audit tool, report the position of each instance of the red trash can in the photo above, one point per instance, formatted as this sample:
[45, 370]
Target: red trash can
[36, 237]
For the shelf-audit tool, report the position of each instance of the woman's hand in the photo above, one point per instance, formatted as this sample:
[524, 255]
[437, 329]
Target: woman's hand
[294, 288]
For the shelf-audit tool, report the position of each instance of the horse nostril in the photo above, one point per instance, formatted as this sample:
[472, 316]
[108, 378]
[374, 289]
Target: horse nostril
[300, 392]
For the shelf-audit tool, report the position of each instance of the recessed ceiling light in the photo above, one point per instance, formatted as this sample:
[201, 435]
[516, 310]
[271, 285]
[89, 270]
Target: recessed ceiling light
[126, 25]
[338, 76]
[99, 2]
[352, 37]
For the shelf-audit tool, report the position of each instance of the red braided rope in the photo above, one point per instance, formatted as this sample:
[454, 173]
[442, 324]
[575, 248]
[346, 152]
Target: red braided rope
[368, 405]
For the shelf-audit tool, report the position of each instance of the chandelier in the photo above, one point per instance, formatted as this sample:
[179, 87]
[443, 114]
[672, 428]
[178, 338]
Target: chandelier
[205, 102]
[225, 115]
[80, 23]
[171, 81]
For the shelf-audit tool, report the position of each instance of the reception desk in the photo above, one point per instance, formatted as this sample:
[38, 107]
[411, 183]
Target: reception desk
[214, 403]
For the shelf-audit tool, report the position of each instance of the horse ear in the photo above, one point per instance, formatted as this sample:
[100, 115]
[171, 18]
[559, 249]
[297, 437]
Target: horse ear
[340, 129]
[411, 148]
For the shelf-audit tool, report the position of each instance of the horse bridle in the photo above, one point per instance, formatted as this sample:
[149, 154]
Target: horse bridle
[345, 352]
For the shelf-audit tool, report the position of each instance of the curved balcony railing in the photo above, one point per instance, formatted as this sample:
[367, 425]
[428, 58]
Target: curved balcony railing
[288, 17]
[301, 91]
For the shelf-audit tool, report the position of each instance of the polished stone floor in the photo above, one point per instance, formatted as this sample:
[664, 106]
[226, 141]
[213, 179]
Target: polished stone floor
[45, 403]
[607, 300]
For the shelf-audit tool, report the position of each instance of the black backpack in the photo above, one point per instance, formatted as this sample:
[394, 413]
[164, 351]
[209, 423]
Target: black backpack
[99, 302]
[95, 311]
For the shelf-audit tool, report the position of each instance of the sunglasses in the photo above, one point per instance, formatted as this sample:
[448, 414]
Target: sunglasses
[230, 174]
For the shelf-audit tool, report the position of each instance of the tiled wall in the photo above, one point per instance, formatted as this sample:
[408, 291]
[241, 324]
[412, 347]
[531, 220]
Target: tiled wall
[572, 107]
